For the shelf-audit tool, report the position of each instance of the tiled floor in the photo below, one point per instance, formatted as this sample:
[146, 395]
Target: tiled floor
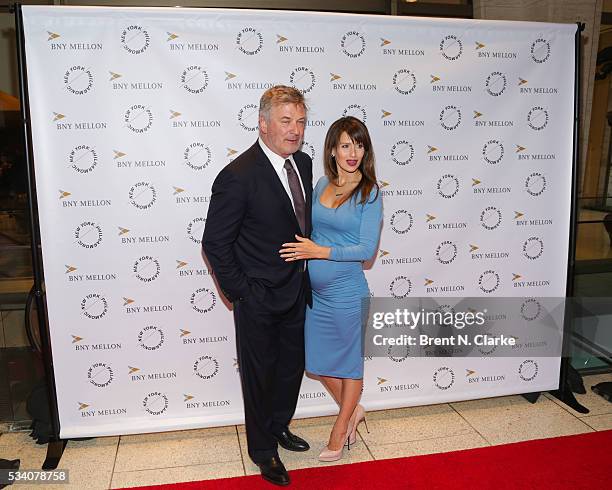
[128, 461]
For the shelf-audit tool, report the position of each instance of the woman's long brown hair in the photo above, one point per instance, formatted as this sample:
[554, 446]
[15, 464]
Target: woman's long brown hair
[358, 132]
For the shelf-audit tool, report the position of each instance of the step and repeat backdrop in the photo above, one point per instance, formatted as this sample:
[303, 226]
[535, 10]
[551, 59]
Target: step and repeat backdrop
[135, 111]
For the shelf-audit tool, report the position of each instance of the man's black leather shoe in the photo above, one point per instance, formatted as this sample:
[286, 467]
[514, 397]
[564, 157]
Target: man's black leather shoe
[291, 442]
[273, 470]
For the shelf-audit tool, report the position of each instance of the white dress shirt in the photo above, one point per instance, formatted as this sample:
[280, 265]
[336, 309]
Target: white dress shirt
[278, 162]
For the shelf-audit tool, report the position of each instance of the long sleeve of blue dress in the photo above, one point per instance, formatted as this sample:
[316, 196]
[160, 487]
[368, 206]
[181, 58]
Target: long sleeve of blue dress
[369, 232]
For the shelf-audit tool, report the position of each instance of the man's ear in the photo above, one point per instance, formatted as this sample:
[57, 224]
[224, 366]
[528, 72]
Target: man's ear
[263, 125]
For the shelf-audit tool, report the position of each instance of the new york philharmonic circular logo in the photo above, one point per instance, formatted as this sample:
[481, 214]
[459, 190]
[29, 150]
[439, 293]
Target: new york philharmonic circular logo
[400, 287]
[450, 117]
[135, 39]
[248, 117]
[446, 252]
[100, 374]
[142, 195]
[537, 118]
[531, 309]
[146, 268]
[533, 248]
[528, 370]
[78, 80]
[402, 152]
[308, 149]
[197, 156]
[357, 111]
[496, 83]
[488, 281]
[493, 152]
[83, 159]
[151, 338]
[195, 229]
[451, 47]
[155, 403]
[535, 184]
[88, 234]
[490, 218]
[448, 186]
[404, 81]
[206, 367]
[138, 118]
[401, 221]
[303, 79]
[444, 378]
[194, 79]
[486, 350]
[398, 353]
[353, 44]
[540, 50]
[94, 306]
[249, 41]
[203, 300]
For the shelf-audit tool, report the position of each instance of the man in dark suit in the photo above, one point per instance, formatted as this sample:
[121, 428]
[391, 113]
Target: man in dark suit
[259, 201]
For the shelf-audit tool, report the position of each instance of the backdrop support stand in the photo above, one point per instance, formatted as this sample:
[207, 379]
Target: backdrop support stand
[56, 445]
[531, 397]
[55, 449]
[564, 393]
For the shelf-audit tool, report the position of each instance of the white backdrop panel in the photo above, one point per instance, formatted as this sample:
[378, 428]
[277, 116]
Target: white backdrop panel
[135, 111]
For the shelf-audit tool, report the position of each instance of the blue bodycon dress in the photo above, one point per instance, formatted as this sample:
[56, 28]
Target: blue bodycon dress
[333, 324]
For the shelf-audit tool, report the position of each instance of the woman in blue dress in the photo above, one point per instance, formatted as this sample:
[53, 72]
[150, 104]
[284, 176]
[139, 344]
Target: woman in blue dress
[346, 223]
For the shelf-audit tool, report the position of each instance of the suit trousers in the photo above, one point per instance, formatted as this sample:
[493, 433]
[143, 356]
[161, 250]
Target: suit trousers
[270, 350]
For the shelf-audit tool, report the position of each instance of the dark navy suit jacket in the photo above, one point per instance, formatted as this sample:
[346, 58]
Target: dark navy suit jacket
[249, 217]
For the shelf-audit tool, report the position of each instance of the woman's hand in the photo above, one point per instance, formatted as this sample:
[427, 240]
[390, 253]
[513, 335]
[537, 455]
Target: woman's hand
[303, 249]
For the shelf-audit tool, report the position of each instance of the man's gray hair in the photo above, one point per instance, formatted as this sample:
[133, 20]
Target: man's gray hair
[280, 94]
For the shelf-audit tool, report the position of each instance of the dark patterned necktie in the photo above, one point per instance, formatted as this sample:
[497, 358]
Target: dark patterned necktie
[299, 204]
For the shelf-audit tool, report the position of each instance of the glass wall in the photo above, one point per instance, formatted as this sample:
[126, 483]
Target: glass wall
[20, 366]
[592, 336]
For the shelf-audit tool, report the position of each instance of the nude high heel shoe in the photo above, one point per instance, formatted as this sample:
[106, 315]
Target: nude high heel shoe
[360, 415]
[328, 456]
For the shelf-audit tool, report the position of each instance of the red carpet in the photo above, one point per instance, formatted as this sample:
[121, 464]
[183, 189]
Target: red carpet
[572, 462]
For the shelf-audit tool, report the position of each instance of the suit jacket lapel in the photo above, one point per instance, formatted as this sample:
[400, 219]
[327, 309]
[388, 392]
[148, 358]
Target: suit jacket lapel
[271, 176]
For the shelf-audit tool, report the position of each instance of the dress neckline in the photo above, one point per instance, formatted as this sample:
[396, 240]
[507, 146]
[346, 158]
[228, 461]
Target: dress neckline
[319, 198]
